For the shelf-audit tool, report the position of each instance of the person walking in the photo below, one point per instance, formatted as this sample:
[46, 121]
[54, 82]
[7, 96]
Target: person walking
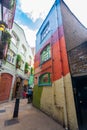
[24, 94]
[30, 95]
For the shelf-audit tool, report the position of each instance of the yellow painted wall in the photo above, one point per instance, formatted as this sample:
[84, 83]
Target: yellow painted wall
[58, 101]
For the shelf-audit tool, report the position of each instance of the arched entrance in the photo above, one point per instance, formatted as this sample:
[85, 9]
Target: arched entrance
[5, 86]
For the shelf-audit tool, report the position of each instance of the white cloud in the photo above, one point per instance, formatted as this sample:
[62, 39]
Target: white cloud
[30, 35]
[36, 8]
[39, 9]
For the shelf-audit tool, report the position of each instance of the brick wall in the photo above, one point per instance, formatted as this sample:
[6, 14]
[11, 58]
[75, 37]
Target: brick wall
[78, 59]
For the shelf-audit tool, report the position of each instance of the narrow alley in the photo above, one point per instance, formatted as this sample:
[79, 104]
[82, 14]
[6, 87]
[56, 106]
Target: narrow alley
[43, 65]
[29, 118]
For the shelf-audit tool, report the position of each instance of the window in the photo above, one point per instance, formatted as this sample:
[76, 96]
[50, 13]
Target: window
[14, 38]
[46, 54]
[45, 31]
[30, 60]
[45, 79]
[10, 56]
[22, 65]
[23, 50]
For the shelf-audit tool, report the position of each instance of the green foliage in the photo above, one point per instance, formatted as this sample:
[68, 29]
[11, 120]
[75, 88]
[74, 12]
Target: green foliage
[6, 37]
[11, 4]
[32, 70]
[37, 92]
[26, 67]
[18, 58]
[18, 61]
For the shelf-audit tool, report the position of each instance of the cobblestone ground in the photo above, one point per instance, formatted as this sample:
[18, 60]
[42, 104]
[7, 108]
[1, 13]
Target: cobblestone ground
[29, 118]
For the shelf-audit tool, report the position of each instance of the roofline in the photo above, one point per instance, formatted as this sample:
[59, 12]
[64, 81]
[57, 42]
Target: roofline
[73, 14]
[55, 3]
[23, 32]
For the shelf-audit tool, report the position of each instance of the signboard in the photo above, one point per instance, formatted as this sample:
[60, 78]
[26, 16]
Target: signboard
[31, 80]
[8, 7]
[5, 3]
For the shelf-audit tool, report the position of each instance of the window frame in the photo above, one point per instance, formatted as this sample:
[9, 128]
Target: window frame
[45, 31]
[49, 83]
[23, 50]
[46, 49]
[11, 55]
[14, 38]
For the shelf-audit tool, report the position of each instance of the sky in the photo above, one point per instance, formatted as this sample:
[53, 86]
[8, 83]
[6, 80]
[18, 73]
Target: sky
[30, 14]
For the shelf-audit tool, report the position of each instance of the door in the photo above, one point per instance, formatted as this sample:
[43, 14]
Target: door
[80, 87]
[5, 86]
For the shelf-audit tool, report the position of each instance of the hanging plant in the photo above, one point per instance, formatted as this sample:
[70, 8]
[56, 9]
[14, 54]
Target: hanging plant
[6, 37]
[26, 67]
[12, 3]
[32, 70]
[18, 61]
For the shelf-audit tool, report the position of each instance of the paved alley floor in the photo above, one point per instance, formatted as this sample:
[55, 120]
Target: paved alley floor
[29, 118]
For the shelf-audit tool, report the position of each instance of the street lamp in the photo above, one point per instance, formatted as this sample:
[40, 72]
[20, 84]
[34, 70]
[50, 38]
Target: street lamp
[2, 27]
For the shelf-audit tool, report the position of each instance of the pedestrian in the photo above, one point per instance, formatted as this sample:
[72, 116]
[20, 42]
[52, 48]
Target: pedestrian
[30, 95]
[24, 94]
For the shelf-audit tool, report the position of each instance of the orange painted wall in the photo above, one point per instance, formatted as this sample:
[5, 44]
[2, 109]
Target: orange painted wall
[58, 64]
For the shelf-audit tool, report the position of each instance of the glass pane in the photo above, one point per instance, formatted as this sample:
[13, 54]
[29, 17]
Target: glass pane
[46, 54]
[45, 79]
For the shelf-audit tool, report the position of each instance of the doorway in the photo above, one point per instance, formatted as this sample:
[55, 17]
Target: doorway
[80, 95]
[5, 86]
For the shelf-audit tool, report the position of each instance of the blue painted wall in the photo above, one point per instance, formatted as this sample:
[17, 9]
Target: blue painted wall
[52, 17]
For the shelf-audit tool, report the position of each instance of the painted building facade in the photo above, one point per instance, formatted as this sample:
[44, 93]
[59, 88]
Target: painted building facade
[13, 71]
[55, 41]
[7, 12]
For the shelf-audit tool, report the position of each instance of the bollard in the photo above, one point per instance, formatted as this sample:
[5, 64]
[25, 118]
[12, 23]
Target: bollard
[16, 108]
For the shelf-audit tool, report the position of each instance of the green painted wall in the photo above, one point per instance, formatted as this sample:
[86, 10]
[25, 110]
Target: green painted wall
[37, 92]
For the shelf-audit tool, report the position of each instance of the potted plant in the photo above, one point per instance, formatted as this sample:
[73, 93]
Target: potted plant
[5, 43]
[6, 38]
[32, 70]
[26, 67]
[18, 61]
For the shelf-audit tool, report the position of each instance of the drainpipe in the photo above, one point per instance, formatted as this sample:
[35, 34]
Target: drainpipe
[65, 108]
[51, 53]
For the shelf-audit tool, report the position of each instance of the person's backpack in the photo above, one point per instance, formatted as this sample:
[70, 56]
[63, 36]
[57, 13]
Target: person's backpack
[29, 91]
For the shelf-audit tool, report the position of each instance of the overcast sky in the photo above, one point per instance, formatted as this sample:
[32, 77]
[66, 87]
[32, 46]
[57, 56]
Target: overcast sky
[31, 13]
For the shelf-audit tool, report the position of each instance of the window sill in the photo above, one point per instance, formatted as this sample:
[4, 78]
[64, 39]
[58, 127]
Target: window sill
[43, 85]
